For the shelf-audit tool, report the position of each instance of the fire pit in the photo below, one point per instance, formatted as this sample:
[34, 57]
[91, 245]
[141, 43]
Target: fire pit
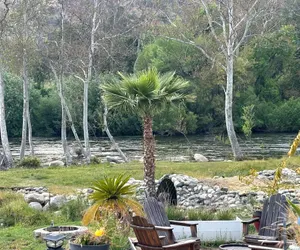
[67, 231]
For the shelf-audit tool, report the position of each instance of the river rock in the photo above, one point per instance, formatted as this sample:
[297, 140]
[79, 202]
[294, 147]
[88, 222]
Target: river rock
[36, 206]
[200, 158]
[56, 163]
[34, 197]
[114, 159]
[58, 201]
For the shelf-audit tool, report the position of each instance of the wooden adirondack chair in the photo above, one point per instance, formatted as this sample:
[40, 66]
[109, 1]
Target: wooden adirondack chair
[157, 216]
[148, 238]
[273, 217]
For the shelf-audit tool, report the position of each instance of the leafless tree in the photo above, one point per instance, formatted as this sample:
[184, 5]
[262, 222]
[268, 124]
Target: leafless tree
[228, 26]
[6, 160]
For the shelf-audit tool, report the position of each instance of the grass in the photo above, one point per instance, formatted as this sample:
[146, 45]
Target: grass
[68, 179]
[20, 237]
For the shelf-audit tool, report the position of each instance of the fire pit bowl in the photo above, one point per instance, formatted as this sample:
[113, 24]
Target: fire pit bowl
[67, 231]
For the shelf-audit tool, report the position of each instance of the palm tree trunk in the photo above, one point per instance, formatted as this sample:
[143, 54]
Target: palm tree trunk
[149, 159]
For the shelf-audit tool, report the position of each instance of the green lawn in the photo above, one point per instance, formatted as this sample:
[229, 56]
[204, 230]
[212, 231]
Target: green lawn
[19, 237]
[67, 179]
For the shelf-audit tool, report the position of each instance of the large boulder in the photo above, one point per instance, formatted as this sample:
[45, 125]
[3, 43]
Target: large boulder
[114, 159]
[36, 206]
[34, 197]
[200, 158]
[58, 201]
[56, 163]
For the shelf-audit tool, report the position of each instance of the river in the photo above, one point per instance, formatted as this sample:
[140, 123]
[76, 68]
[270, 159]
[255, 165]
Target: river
[261, 145]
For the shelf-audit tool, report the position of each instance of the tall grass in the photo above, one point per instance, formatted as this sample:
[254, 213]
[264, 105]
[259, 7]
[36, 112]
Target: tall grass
[175, 213]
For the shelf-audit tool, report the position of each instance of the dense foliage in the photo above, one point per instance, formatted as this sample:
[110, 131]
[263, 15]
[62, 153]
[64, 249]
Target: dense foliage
[266, 73]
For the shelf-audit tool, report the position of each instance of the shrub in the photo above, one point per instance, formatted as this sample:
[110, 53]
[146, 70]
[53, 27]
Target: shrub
[174, 213]
[194, 214]
[225, 215]
[14, 210]
[73, 210]
[95, 160]
[29, 162]
[205, 214]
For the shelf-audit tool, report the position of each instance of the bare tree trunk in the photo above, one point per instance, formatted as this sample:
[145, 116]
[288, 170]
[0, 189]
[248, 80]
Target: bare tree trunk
[87, 151]
[149, 159]
[61, 90]
[25, 103]
[66, 109]
[237, 153]
[31, 148]
[69, 116]
[7, 161]
[111, 138]
[26, 127]
[87, 80]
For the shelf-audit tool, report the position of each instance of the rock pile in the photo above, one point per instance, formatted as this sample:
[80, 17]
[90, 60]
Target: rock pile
[190, 193]
[40, 199]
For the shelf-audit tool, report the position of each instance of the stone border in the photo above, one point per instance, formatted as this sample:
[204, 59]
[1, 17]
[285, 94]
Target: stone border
[42, 232]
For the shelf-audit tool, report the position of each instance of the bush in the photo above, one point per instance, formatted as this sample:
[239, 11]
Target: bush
[174, 213]
[206, 215]
[14, 210]
[29, 162]
[95, 160]
[194, 214]
[73, 210]
[225, 215]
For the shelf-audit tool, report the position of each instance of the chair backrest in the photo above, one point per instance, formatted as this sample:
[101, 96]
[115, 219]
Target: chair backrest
[145, 233]
[156, 215]
[274, 212]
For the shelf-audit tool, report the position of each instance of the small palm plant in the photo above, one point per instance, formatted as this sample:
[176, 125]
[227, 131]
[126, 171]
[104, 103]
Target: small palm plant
[112, 195]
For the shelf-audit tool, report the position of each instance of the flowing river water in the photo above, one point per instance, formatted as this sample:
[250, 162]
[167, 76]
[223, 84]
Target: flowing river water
[261, 145]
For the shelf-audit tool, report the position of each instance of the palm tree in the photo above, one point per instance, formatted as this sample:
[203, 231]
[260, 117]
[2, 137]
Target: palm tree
[145, 93]
[112, 194]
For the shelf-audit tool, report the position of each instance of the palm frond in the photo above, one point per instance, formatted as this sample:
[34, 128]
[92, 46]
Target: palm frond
[112, 193]
[295, 208]
[146, 92]
[90, 214]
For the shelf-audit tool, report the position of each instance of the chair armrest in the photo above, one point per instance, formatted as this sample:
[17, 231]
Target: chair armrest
[246, 224]
[192, 225]
[168, 231]
[179, 244]
[159, 228]
[183, 223]
[250, 221]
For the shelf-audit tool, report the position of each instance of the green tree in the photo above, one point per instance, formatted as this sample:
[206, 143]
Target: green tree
[249, 120]
[146, 93]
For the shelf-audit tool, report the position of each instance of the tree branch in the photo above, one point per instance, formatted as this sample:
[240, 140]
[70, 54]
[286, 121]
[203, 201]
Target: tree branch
[198, 47]
[210, 22]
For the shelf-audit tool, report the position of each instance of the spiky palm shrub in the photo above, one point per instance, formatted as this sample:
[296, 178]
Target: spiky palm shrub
[112, 195]
[145, 93]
